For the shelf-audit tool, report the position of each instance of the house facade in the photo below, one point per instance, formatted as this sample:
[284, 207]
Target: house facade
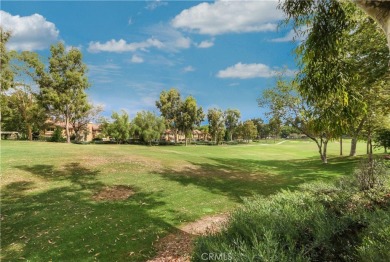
[86, 134]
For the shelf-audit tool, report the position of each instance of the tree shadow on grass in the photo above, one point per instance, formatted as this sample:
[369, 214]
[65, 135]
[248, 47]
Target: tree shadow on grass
[237, 178]
[63, 223]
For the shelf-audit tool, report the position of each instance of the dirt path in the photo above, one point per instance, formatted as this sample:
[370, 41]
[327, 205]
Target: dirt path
[177, 247]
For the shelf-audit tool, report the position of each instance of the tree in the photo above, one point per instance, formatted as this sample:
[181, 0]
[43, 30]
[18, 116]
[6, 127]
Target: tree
[62, 86]
[330, 20]
[231, 121]
[247, 130]
[216, 121]
[344, 54]
[189, 117]
[6, 74]
[287, 105]
[119, 128]
[382, 139]
[82, 116]
[148, 126]
[275, 125]
[169, 105]
[22, 112]
[259, 123]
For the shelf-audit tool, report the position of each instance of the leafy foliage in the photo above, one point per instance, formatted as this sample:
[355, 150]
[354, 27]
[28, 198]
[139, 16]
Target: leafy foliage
[62, 87]
[231, 121]
[190, 115]
[216, 121]
[169, 105]
[247, 130]
[321, 222]
[382, 139]
[119, 128]
[148, 126]
[6, 74]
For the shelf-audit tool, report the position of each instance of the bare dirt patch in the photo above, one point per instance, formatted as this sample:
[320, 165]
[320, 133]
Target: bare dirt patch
[177, 247]
[114, 193]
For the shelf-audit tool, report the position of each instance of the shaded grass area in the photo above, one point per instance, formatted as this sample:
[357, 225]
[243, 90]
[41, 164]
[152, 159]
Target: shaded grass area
[48, 212]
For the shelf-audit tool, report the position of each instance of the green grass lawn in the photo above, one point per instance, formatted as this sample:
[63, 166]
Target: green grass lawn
[48, 213]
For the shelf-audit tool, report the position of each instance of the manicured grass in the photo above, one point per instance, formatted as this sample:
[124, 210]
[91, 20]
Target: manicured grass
[47, 188]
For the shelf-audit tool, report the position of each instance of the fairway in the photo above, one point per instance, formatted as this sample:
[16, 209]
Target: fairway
[47, 192]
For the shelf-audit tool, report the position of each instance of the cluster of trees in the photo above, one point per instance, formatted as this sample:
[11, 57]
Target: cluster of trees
[146, 126]
[342, 87]
[31, 92]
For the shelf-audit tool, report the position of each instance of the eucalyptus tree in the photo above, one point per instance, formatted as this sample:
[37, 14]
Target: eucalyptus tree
[119, 128]
[247, 130]
[63, 84]
[24, 108]
[6, 74]
[287, 106]
[190, 116]
[343, 55]
[231, 121]
[216, 121]
[148, 126]
[169, 105]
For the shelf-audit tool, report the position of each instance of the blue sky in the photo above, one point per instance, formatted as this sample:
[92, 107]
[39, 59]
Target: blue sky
[224, 53]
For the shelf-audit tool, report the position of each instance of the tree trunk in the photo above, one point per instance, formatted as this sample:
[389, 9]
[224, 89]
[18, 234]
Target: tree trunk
[379, 10]
[324, 152]
[353, 146]
[185, 137]
[341, 145]
[29, 132]
[67, 130]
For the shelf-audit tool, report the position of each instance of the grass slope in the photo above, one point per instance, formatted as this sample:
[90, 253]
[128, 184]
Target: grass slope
[47, 188]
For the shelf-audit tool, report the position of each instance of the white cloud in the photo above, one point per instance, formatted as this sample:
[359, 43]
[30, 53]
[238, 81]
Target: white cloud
[121, 46]
[189, 69]
[155, 4]
[226, 16]
[104, 73]
[246, 71]
[70, 47]
[206, 44]
[130, 22]
[136, 59]
[172, 39]
[292, 36]
[29, 33]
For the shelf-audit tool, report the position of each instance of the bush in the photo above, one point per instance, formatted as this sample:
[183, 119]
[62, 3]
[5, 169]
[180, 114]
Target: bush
[321, 222]
[371, 173]
[57, 135]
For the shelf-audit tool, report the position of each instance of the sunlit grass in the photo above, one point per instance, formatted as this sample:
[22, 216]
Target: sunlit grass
[47, 188]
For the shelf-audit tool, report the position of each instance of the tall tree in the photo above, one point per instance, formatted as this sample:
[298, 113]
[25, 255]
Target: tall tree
[259, 123]
[231, 121]
[148, 126]
[6, 74]
[22, 112]
[169, 105]
[63, 85]
[285, 103]
[247, 130]
[216, 121]
[189, 116]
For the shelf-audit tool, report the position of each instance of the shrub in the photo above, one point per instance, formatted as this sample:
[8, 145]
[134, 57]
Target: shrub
[57, 135]
[321, 222]
[371, 173]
